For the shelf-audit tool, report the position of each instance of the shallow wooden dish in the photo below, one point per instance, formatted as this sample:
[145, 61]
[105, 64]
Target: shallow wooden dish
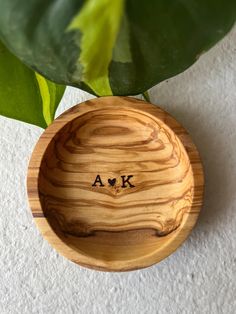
[115, 184]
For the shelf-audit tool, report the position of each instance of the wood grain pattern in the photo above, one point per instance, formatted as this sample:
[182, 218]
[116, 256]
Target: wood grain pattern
[115, 184]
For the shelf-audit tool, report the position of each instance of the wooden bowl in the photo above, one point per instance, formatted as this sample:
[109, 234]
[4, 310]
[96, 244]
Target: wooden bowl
[115, 184]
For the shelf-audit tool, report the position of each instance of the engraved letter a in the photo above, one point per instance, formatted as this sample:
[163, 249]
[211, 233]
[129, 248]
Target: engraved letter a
[98, 180]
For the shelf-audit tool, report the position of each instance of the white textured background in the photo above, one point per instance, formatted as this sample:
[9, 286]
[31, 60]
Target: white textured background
[199, 278]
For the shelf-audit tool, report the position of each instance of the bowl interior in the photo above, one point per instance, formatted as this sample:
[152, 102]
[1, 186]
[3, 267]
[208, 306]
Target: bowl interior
[115, 184]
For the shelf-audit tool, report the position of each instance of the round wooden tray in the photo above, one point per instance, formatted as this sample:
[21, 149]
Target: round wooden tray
[115, 184]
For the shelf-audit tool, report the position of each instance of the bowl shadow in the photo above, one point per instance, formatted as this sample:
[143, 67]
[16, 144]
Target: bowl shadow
[212, 146]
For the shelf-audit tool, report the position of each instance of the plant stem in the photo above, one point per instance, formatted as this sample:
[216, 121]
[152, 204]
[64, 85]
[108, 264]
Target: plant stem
[146, 96]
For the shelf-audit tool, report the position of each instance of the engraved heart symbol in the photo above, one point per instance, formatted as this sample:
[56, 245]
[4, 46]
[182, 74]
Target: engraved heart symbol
[112, 182]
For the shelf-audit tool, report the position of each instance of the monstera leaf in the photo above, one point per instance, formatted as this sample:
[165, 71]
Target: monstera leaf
[113, 46]
[24, 94]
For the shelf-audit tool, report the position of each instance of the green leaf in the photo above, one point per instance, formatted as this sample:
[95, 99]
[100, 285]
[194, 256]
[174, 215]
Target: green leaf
[24, 94]
[110, 47]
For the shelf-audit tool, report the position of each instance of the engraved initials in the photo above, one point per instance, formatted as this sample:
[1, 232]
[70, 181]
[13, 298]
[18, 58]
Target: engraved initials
[113, 181]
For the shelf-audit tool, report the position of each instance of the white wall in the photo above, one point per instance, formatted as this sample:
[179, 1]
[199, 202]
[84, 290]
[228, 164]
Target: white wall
[199, 278]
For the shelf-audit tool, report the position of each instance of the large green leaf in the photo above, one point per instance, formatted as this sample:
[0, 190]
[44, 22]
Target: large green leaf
[113, 47]
[24, 94]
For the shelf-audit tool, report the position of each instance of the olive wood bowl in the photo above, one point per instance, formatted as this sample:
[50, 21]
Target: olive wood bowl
[115, 184]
